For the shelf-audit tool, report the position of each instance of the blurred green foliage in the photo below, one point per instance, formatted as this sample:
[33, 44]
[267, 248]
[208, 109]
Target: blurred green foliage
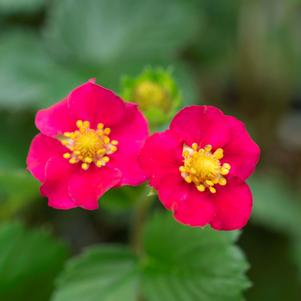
[29, 262]
[243, 56]
[277, 204]
[108, 273]
[167, 270]
[8, 7]
[17, 190]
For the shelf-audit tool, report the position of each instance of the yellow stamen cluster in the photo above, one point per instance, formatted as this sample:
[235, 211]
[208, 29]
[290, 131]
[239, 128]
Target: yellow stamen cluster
[203, 168]
[89, 146]
[149, 94]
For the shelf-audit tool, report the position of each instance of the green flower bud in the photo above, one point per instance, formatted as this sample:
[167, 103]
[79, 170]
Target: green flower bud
[156, 93]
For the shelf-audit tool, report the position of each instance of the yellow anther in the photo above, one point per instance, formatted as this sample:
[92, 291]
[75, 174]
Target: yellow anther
[222, 181]
[86, 124]
[99, 163]
[215, 181]
[67, 155]
[107, 131]
[227, 166]
[224, 171]
[85, 166]
[101, 151]
[188, 179]
[106, 139]
[208, 148]
[201, 187]
[88, 160]
[219, 153]
[79, 123]
[72, 161]
[113, 148]
[203, 168]
[182, 169]
[88, 145]
[67, 134]
[185, 153]
[195, 146]
[212, 189]
[106, 159]
[209, 183]
[193, 171]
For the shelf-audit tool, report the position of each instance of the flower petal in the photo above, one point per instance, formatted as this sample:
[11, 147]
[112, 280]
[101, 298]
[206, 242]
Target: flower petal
[241, 152]
[55, 188]
[233, 205]
[161, 154]
[55, 120]
[201, 124]
[196, 209]
[131, 134]
[189, 206]
[42, 148]
[96, 104]
[171, 189]
[86, 187]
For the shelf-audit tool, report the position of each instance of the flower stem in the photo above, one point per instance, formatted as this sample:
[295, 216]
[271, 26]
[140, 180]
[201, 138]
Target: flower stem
[141, 210]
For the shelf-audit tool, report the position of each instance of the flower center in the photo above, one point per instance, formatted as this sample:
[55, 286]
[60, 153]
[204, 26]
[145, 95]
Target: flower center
[149, 94]
[88, 146]
[203, 168]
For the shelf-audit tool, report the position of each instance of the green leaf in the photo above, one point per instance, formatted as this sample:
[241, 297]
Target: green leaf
[106, 32]
[276, 205]
[178, 263]
[29, 262]
[20, 6]
[120, 200]
[183, 263]
[28, 75]
[12, 199]
[296, 253]
[101, 273]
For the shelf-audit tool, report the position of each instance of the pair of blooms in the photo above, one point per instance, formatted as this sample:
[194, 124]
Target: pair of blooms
[93, 141]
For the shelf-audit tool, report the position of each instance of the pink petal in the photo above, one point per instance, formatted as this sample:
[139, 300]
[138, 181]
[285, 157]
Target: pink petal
[55, 188]
[190, 207]
[42, 148]
[96, 104]
[171, 189]
[55, 120]
[131, 134]
[201, 124]
[233, 205]
[241, 152]
[161, 154]
[86, 187]
[196, 209]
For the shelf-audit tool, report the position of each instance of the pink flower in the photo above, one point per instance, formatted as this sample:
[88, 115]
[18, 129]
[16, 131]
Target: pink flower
[199, 167]
[89, 143]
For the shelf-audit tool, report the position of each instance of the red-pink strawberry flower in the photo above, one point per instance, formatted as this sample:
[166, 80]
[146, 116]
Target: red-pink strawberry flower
[89, 143]
[199, 167]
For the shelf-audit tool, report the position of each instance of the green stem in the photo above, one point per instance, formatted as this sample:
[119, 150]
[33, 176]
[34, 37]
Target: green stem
[140, 213]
